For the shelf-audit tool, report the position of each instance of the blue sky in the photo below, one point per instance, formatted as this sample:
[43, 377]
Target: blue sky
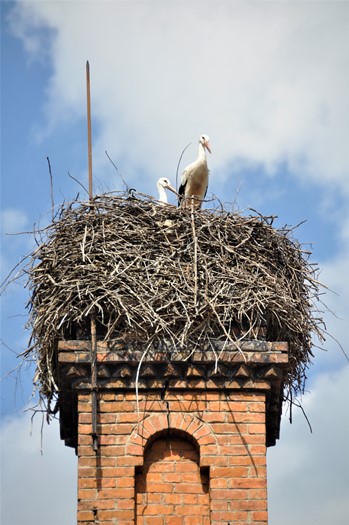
[269, 83]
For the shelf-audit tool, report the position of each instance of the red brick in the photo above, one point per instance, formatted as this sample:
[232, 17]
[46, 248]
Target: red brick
[197, 510]
[115, 515]
[249, 483]
[189, 477]
[250, 504]
[257, 494]
[129, 417]
[106, 462]
[105, 418]
[229, 472]
[193, 520]
[184, 467]
[84, 439]
[229, 515]
[201, 432]
[85, 418]
[87, 494]
[86, 472]
[111, 450]
[207, 440]
[163, 467]
[125, 504]
[171, 498]
[219, 483]
[159, 487]
[257, 407]
[215, 417]
[85, 515]
[257, 449]
[153, 520]
[107, 483]
[217, 504]
[124, 482]
[174, 520]
[102, 504]
[87, 483]
[246, 460]
[189, 499]
[209, 457]
[258, 428]
[155, 510]
[246, 417]
[260, 515]
[154, 477]
[107, 440]
[87, 461]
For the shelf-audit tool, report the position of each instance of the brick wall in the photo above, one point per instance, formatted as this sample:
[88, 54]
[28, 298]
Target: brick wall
[187, 458]
[171, 488]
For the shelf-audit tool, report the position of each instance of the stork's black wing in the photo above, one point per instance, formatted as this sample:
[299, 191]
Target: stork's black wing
[181, 193]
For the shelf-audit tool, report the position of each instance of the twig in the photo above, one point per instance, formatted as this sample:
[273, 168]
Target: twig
[51, 186]
[298, 405]
[118, 172]
[76, 180]
[195, 240]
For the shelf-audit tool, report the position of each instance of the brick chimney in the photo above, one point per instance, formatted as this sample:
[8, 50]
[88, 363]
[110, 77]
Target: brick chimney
[169, 338]
[171, 442]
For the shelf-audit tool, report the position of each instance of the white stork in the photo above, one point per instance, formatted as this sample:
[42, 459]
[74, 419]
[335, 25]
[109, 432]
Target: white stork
[164, 184]
[194, 181]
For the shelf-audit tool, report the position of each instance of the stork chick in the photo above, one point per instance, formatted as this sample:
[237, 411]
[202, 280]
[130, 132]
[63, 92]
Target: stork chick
[194, 181]
[164, 184]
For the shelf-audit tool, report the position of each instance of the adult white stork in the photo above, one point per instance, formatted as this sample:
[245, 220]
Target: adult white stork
[194, 181]
[164, 184]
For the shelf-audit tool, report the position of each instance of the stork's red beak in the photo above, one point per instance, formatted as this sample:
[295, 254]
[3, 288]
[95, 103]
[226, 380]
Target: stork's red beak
[207, 146]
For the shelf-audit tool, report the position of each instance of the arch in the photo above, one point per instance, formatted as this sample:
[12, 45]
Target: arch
[147, 430]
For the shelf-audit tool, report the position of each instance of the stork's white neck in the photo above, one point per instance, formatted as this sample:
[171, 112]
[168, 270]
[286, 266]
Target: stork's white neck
[162, 193]
[202, 152]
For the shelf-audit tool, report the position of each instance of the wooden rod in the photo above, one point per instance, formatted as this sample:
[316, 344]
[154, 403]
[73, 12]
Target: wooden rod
[89, 132]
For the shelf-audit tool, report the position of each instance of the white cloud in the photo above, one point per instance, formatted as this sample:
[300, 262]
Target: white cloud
[36, 489]
[13, 220]
[308, 474]
[334, 274]
[267, 81]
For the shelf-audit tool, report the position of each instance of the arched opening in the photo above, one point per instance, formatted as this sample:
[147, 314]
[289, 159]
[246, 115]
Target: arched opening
[171, 488]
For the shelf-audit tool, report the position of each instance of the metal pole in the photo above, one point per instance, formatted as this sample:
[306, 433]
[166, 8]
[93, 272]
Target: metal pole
[89, 133]
[93, 316]
[94, 385]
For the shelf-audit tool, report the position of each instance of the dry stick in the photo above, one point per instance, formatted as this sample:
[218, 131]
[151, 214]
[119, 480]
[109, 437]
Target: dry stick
[118, 172]
[51, 185]
[195, 256]
[76, 180]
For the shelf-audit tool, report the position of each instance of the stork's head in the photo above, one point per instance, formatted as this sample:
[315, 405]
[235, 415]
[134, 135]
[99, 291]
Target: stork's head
[205, 141]
[164, 182]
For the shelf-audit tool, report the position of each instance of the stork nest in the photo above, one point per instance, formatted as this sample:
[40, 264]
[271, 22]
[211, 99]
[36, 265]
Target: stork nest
[153, 274]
